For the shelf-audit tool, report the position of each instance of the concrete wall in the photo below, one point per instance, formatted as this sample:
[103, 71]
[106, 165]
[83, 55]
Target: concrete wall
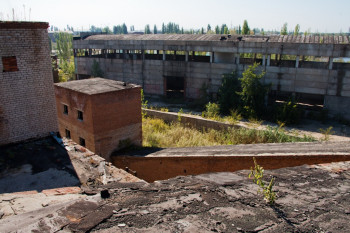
[193, 121]
[168, 167]
[27, 102]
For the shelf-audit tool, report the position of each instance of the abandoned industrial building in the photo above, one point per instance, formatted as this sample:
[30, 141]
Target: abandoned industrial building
[314, 68]
[100, 114]
[27, 108]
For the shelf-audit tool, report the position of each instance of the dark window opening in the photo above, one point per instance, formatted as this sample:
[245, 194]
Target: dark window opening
[65, 109]
[81, 141]
[67, 133]
[80, 115]
[175, 86]
[9, 64]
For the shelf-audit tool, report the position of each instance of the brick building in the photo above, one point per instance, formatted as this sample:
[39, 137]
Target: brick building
[27, 102]
[102, 115]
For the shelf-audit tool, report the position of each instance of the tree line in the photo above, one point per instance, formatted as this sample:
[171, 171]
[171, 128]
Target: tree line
[174, 28]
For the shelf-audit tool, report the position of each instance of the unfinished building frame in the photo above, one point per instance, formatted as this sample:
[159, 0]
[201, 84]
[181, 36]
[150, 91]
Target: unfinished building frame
[315, 68]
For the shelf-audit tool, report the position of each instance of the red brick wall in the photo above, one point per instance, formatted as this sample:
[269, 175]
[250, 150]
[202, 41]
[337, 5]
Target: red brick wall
[108, 118]
[75, 101]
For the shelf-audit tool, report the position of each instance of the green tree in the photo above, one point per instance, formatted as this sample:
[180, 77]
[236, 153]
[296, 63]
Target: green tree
[296, 29]
[125, 28]
[225, 30]
[239, 30]
[66, 72]
[228, 97]
[217, 29]
[96, 70]
[208, 28]
[155, 30]
[163, 29]
[222, 29]
[253, 92]
[107, 30]
[202, 30]
[64, 46]
[147, 29]
[284, 29]
[246, 29]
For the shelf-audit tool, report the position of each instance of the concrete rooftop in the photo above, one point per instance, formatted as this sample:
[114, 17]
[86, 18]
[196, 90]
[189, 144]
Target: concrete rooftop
[94, 86]
[309, 39]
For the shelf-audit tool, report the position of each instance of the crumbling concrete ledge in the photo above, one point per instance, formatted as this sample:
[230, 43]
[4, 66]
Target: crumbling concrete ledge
[92, 169]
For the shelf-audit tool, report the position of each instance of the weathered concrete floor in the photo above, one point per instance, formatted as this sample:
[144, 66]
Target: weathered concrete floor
[40, 174]
[310, 199]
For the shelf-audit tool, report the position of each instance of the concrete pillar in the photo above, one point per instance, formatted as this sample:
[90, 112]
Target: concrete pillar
[330, 63]
[163, 55]
[264, 60]
[237, 59]
[211, 57]
[268, 60]
[186, 56]
[90, 52]
[297, 62]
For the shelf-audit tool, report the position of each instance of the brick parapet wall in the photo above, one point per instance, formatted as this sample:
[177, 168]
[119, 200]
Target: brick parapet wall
[23, 25]
[27, 100]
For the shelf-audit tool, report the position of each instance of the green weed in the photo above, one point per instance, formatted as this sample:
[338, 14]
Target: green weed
[257, 173]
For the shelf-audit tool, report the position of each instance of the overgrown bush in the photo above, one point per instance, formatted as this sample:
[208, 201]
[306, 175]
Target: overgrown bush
[253, 92]
[212, 111]
[289, 112]
[228, 97]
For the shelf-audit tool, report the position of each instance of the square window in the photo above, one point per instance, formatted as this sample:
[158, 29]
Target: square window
[9, 64]
[80, 115]
[65, 109]
[67, 134]
[81, 141]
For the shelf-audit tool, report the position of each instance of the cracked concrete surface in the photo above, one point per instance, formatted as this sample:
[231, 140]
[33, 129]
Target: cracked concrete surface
[310, 199]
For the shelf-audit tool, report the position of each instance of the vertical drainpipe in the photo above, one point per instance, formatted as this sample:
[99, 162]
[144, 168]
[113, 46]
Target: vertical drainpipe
[211, 57]
[268, 60]
[163, 55]
[186, 56]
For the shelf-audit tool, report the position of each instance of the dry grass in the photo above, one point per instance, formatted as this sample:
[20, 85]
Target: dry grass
[156, 133]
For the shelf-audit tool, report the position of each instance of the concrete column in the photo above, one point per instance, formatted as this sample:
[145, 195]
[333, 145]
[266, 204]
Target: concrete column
[268, 60]
[163, 55]
[90, 52]
[186, 56]
[264, 60]
[330, 63]
[237, 59]
[211, 57]
[297, 62]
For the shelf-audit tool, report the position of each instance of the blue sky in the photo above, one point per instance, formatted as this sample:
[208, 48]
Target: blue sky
[317, 15]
